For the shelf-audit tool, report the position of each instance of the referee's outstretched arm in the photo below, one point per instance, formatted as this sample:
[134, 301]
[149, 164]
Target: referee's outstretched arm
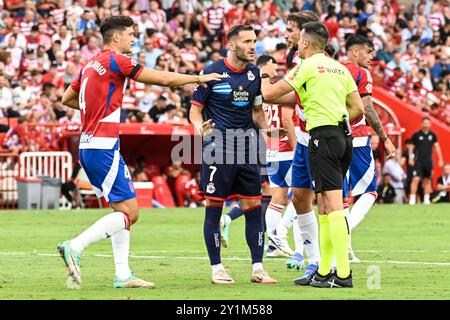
[355, 105]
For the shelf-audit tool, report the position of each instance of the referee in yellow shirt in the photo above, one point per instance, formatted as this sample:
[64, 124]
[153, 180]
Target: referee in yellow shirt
[330, 99]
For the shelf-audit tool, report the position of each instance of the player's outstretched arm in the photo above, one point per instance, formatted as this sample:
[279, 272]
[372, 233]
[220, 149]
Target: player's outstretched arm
[70, 99]
[272, 93]
[173, 79]
[286, 100]
[375, 123]
[355, 105]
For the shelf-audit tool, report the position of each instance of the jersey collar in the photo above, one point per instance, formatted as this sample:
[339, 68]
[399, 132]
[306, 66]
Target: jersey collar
[229, 66]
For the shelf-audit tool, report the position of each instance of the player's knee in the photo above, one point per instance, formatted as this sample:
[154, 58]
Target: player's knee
[134, 216]
[248, 204]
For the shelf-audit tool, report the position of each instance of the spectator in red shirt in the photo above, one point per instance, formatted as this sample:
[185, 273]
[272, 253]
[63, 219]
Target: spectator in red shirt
[236, 15]
[213, 20]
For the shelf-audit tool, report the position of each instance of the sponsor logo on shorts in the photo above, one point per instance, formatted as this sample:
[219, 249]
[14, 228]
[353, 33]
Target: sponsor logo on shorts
[131, 186]
[85, 138]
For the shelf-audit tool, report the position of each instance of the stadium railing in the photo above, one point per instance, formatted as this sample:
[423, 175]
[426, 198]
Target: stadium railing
[410, 91]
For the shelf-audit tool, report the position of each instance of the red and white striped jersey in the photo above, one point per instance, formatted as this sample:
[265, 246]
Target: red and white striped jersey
[436, 20]
[300, 127]
[25, 27]
[215, 17]
[101, 86]
[278, 149]
[58, 15]
[363, 80]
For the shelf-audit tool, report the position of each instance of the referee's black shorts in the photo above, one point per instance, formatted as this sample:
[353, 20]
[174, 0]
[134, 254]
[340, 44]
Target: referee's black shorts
[330, 153]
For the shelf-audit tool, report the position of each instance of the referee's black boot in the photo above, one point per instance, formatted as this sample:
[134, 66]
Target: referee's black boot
[332, 280]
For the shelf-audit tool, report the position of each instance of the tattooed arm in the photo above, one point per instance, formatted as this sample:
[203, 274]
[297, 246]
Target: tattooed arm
[375, 123]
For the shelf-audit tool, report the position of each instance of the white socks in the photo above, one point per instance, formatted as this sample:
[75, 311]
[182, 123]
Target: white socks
[121, 249]
[309, 232]
[360, 209]
[412, 199]
[426, 199]
[289, 220]
[299, 247]
[103, 228]
[217, 267]
[273, 216]
[286, 221]
[257, 267]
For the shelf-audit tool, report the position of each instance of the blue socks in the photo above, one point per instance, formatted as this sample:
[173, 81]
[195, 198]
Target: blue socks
[211, 232]
[265, 200]
[235, 213]
[254, 233]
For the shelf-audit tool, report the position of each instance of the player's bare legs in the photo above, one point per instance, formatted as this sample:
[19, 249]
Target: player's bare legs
[115, 225]
[427, 189]
[413, 193]
[254, 234]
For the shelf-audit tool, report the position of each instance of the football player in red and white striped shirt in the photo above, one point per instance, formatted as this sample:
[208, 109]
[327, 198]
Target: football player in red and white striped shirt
[361, 177]
[98, 94]
[214, 18]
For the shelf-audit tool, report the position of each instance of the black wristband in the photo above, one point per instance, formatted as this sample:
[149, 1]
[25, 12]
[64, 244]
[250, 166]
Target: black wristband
[265, 75]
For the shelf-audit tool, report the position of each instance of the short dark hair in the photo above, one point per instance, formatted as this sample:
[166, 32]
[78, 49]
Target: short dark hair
[329, 50]
[426, 118]
[408, 141]
[357, 39]
[423, 71]
[264, 59]
[302, 17]
[237, 29]
[318, 32]
[281, 46]
[114, 24]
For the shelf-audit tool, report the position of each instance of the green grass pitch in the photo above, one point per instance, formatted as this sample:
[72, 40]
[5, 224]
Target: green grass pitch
[404, 249]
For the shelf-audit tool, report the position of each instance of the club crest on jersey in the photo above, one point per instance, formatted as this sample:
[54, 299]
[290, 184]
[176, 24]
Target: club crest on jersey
[225, 75]
[250, 75]
[210, 188]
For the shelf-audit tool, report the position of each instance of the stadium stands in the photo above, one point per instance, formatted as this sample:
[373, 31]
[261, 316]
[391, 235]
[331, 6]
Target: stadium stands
[44, 45]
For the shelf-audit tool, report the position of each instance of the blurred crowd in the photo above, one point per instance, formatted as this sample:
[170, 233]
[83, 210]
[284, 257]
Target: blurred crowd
[44, 44]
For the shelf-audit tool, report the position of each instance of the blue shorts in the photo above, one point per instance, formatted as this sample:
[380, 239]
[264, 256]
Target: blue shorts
[301, 174]
[227, 181]
[280, 173]
[361, 176]
[108, 174]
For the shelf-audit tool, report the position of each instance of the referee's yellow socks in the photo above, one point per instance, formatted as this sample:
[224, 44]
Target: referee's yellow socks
[326, 247]
[339, 234]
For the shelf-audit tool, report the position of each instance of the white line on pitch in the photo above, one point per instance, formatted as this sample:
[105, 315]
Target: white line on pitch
[445, 264]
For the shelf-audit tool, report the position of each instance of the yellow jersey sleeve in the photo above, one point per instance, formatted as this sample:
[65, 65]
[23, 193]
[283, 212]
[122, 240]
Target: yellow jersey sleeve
[351, 84]
[298, 76]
